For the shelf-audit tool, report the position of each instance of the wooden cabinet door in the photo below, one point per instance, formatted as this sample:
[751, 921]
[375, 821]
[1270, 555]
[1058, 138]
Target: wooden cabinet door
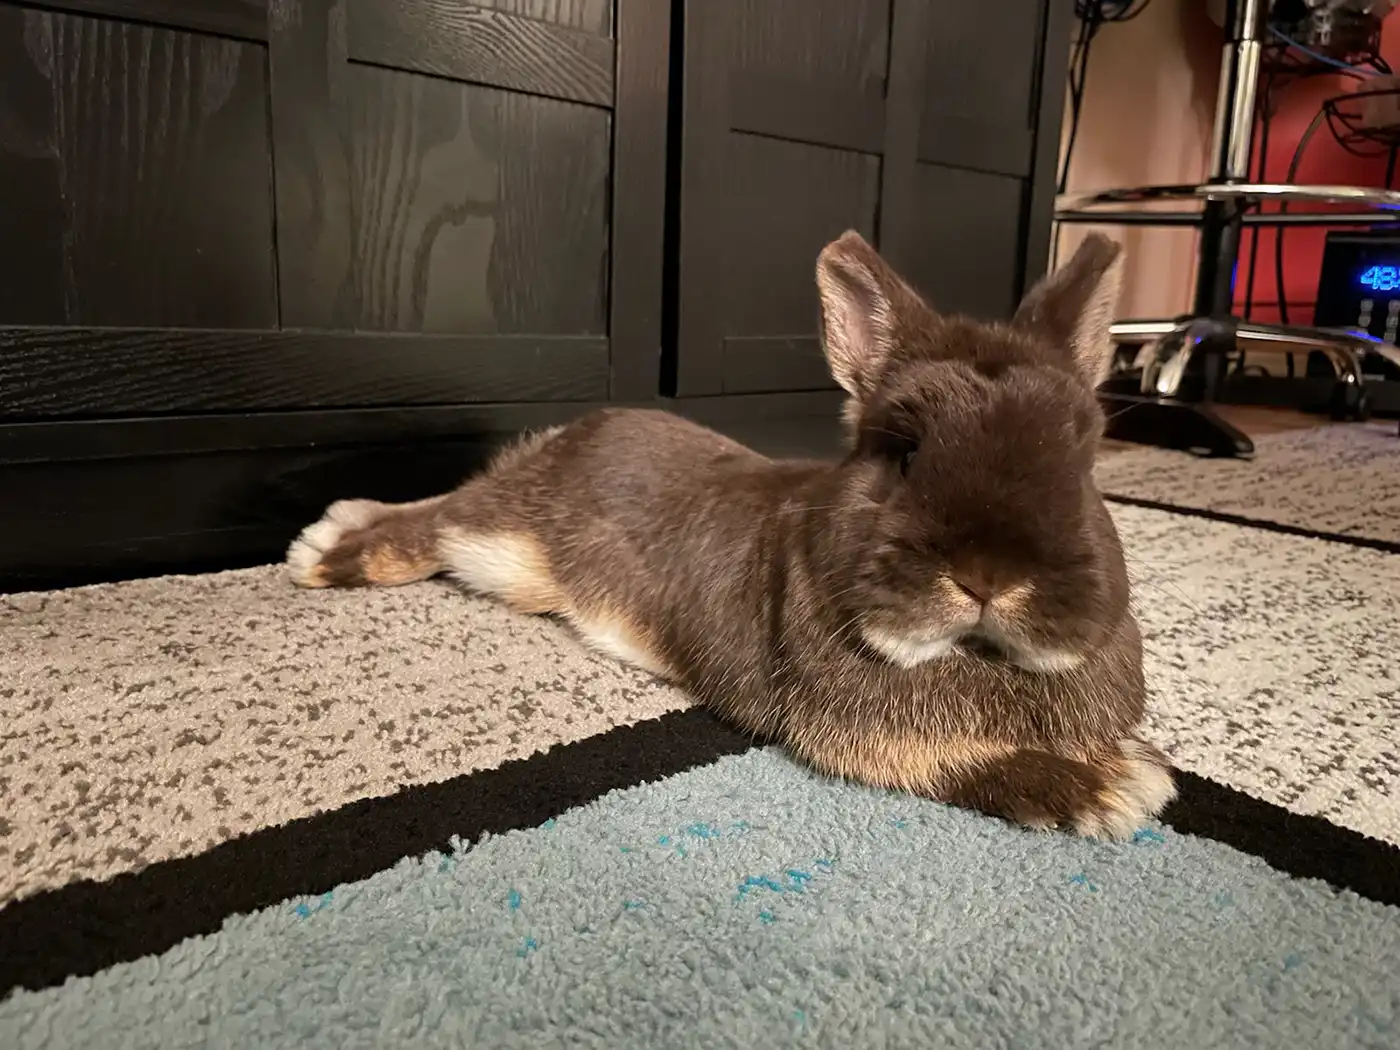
[931, 126]
[260, 205]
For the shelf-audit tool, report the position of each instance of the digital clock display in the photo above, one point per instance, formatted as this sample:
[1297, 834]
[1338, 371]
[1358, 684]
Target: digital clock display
[1358, 284]
[1380, 278]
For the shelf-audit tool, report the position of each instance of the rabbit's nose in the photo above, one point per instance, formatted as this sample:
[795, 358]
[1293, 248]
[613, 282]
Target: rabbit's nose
[976, 585]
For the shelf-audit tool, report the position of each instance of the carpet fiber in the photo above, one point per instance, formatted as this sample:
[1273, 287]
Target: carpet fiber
[1338, 480]
[236, 814]
[748, 904]
[159, 717]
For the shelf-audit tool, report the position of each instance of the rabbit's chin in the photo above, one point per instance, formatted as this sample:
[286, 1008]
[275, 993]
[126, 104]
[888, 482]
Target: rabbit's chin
[913, 648]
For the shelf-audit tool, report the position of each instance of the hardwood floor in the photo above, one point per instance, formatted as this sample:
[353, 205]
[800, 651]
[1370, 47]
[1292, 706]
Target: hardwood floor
[1262, 419]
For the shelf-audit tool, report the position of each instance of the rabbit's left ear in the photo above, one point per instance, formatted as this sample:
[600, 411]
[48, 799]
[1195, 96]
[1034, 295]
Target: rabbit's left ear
[1074, 306]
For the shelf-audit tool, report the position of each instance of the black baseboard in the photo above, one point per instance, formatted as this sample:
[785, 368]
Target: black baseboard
[88, 521]
[90, 502]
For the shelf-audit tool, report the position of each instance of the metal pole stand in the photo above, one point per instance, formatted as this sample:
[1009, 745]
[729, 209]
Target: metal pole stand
[1183, 361]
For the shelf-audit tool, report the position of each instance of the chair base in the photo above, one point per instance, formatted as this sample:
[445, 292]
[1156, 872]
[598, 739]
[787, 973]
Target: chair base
[1192, 352]
[1185, 426]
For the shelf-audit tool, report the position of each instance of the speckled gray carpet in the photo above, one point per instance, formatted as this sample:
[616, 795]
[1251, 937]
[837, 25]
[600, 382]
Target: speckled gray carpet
[1342, 479]
[153, 719]
[207, 783]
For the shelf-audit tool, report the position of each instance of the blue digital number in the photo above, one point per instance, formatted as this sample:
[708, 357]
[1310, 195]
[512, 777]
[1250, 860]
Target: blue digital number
[1381, 278]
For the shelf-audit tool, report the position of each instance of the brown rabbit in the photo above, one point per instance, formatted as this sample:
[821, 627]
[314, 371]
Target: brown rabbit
[946, 610]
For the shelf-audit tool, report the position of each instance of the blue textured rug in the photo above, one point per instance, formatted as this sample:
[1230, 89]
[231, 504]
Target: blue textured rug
[748, 903]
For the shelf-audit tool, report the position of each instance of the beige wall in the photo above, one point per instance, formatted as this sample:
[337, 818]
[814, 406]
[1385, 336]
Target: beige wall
[1147, 117]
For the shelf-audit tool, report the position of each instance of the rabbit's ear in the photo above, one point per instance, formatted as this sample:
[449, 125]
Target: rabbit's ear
[1074, 306]
[865, 305]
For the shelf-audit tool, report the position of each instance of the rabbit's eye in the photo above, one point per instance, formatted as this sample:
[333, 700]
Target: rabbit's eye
[893, 445]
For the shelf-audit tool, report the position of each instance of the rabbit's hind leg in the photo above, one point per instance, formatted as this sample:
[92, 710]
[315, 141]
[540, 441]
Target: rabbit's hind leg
[362, 542]
[509, 564]
[487, 537]
[480, 534]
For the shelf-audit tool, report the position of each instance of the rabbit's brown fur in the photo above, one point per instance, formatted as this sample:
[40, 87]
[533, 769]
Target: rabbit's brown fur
[945, 611]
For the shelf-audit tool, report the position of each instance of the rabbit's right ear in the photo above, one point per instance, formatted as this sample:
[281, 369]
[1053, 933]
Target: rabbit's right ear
[863, 303]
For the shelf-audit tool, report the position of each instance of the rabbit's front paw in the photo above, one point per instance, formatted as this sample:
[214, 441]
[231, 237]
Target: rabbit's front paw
[1138, 784]
[1108, 795]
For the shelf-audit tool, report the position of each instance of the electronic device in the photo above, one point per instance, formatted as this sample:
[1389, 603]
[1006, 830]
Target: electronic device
[1358, 287]
[1342, 30]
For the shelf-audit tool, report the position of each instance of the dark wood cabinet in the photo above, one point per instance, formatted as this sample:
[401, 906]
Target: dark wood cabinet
[916, 122]
[259, 254]
[243, 206]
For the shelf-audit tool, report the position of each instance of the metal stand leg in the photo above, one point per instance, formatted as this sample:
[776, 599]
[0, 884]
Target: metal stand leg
[1166, 361]
[1199, 347]
[1170, 347]
[1188, 426]
[1184, 362]
[1155, 415]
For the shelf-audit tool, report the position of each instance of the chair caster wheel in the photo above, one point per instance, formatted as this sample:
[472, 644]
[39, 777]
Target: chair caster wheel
[1349, 403]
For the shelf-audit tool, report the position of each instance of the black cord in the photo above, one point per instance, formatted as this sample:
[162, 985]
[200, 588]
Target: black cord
[1078, 69]
[1109, 10]
[1093, 15]
[1131, 12]
[1375, 61]
[1283, 207]
[1265, 120]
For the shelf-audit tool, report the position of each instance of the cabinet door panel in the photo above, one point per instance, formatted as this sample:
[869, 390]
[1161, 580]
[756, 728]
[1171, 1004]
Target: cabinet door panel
[267, 205]
[592, 16]
[146, 151]
[477, 210]
[787, 199]
[33, 288]
[980, 112]
[966, 257]
[834, 42]
[785, 100]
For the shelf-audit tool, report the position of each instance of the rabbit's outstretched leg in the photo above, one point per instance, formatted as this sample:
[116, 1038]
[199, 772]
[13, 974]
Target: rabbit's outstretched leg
[483, 534]
[478, 533]
[362, 543]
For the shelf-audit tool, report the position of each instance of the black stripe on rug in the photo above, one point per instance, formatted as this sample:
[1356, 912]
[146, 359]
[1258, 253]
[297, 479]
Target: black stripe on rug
[1302, 845]
[86, 926]
[1369, 542]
